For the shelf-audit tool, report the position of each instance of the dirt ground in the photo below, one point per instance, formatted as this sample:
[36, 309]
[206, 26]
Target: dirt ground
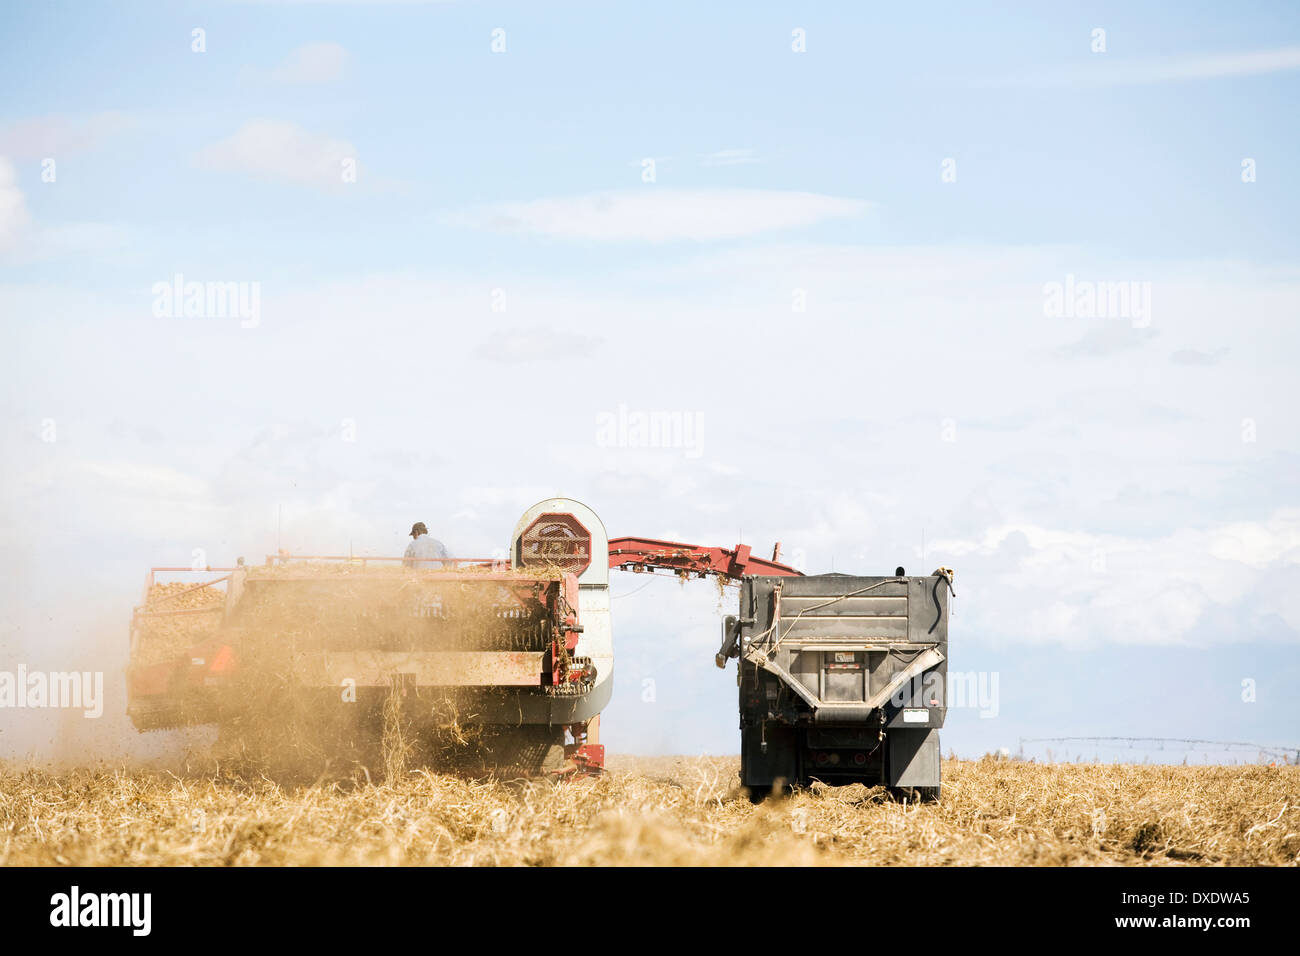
[657, 811]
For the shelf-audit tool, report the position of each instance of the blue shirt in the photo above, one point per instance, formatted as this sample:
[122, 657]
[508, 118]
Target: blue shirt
[425, 547]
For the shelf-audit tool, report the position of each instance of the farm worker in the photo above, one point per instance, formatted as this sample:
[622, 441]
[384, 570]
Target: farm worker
[423, 546]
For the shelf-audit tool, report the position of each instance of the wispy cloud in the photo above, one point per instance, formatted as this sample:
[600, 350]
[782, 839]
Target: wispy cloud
[56, 136]
[1197, 357]
[312, 64]
[278, 150]
[1109, 338]
[534, 344]
[1212, 65]
[350, 3]
[661, 215]
[1103, 70]
[78, 239]
[13, 207]
[22, 240]
[731, 157]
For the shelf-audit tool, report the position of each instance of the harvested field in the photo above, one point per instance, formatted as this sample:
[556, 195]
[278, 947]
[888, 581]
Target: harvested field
[658, 811]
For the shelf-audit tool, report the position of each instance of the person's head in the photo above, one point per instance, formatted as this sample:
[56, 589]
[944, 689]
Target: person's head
[418, 529]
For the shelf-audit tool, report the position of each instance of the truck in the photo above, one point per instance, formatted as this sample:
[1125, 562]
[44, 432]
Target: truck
[841, 679]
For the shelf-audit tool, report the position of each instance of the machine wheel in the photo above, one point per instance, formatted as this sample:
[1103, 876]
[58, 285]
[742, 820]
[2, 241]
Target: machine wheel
[916, 794]
[758, 794]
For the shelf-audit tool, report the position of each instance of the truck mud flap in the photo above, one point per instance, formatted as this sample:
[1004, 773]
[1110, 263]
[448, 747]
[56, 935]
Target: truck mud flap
[776, 765]
[913, 758]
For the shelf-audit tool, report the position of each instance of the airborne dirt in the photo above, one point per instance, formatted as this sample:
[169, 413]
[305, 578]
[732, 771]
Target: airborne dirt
[286, 713]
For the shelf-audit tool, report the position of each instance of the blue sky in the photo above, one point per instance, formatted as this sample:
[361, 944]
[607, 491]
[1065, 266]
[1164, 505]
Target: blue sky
[1117, 494]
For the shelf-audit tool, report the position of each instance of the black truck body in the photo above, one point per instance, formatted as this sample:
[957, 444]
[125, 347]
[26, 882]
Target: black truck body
[841, 680]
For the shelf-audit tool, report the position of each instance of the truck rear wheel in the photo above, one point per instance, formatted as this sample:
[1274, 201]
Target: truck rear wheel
[916, 794]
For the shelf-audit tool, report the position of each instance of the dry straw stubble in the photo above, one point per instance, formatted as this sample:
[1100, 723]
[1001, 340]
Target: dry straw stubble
[683, 811]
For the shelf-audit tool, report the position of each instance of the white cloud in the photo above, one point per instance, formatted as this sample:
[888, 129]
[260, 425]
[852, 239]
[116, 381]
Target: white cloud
[312, 64]
[1102, 70]
[822, 264]
[731, 157]
[143, 480]
[1071, 465]
[278, 150]
[351, 3]
[57, 136]
[13, 207]
[22, 241]
[534, 345]
[1212, 65]
[78, 239]
[1259, 544]
[1105, 340]
[661, 215]
[1221, 584]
